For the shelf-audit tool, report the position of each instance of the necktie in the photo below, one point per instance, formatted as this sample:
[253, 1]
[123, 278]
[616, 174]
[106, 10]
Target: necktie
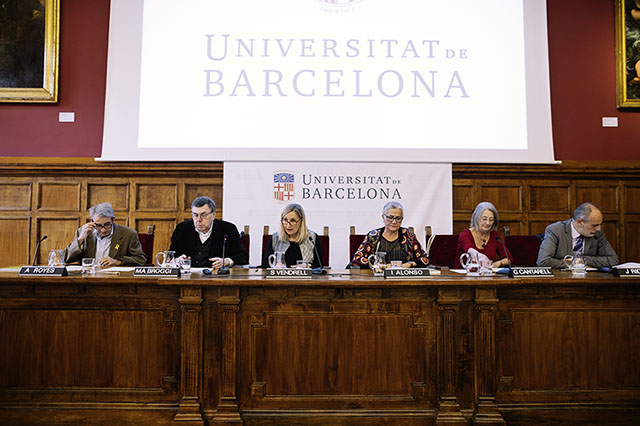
[579, 244]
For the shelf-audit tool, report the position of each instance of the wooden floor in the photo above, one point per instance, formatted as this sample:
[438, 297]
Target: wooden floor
[341, 349]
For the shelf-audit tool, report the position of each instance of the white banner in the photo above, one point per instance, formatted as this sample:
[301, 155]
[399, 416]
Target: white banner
[337, 195]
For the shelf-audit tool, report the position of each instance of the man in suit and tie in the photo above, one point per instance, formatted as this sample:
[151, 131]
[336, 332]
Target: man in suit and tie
[581, 234]
[109, 243]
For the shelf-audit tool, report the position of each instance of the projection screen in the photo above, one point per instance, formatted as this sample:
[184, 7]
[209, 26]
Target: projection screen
[328, 80]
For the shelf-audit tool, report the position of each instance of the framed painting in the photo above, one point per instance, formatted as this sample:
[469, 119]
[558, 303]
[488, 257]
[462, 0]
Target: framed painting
[29, 43]
[628, 53]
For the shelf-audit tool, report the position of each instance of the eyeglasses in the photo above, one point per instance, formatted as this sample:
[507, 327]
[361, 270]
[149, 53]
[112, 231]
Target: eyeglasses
[292, 222]
[201, 215]
[106, 226]
[394, 218]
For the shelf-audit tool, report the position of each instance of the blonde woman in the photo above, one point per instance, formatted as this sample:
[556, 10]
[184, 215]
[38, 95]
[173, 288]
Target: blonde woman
[294, 239]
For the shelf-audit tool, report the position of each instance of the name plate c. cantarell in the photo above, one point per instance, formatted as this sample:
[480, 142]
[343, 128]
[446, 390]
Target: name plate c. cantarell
[44, 271]
[414, 273]
[534, 271]
[153, 271]
[626, 272]
[288, 273]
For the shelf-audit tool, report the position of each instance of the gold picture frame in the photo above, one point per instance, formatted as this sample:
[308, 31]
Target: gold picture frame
[29, 47]
[627, 53]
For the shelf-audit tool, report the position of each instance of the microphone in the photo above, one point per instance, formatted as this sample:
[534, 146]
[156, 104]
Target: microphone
[505, 249]
[320, 270]
[35, 255]
[224, 270]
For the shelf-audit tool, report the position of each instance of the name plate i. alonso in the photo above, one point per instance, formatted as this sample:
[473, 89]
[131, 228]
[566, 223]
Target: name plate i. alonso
[154, 271]
[626, 272]
[288, 273]
[407, 273]
[534, 271]
[45, 271]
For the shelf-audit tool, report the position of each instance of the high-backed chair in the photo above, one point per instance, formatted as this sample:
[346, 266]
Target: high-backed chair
[354, 241]
[441, 248]
[523, 248]
[245, 239]
[324, 241]
[146, 241]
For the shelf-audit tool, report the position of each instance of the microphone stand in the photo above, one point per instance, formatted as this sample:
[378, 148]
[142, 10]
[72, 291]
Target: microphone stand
[505, 250]
[35, 254]
[224, 270]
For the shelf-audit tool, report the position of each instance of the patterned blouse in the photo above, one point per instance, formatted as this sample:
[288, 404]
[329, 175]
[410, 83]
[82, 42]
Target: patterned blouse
[408, 242]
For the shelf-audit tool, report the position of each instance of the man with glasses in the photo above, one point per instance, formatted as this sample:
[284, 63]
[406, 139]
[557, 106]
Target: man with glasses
[202, 238]
[109, 243]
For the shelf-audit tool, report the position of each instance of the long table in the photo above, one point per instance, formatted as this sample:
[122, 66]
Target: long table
[344, 348]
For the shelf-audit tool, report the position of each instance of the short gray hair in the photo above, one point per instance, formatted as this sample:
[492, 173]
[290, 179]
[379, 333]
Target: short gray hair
[202, 201]
[102, 210]
[475, 217]
[583, 211]
[392, 205]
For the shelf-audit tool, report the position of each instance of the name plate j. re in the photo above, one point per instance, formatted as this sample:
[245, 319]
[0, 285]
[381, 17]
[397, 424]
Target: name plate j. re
[413, 273]
[44, 271]
[288, 273]
[534, 271]
[626, 272]
[154, 271]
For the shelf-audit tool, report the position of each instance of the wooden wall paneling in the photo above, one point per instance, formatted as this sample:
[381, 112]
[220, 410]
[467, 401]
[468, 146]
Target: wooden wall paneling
[57, 195]
[211, 188]
[59, 230]
[632, 242]
[605, 195]
[463, 196]
[506, 196]
[114, 191]
[14, 241]
[15, 194]
[550, 197]
[632, 199]
[160, 195]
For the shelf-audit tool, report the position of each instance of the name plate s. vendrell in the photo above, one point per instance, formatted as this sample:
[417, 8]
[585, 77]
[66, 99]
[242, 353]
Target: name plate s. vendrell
[288, 273]
[626, 272]
[154, 271]
[413, 273]
[534, 271]
[43, 271]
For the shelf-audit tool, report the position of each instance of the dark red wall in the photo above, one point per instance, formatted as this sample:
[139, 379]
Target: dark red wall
[583, 90]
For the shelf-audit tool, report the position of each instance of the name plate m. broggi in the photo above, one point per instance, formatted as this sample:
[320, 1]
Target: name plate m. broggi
[534, 271]
[397, 273]
[44, 271]
[626, 272]
[154, 271]
[288, 273]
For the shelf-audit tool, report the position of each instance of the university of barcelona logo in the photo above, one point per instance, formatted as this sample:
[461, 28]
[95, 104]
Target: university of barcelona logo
[283, 186]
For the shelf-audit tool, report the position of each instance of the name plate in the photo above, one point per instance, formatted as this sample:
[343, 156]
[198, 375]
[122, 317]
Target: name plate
[534, 271]
[288, 273]
[416, 273]
[44, 271]
[626, 272]
[154, 271]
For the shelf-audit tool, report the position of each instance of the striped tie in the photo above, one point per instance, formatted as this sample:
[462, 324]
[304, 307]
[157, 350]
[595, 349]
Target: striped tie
[579, 244]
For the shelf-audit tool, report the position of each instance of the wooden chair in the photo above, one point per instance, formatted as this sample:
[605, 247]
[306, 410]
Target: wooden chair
[324, 241]
[245, 239]
[523, 248]
[146, 241]
[354, 242]
[441, 248]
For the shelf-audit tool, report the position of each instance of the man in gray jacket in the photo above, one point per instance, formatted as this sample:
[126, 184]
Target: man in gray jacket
[582, 233]
[109, 243]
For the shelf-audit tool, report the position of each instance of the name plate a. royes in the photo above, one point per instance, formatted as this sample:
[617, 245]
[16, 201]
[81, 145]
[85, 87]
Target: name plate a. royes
[43, 271]
[413, 273]
[288, 273]
[153, 271]
[534, 271]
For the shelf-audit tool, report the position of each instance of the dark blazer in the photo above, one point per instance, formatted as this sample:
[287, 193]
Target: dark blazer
[558, 242]
[125, 247]
[185, 240]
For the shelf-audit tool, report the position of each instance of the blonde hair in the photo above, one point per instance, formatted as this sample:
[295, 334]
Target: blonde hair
[302, 231]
